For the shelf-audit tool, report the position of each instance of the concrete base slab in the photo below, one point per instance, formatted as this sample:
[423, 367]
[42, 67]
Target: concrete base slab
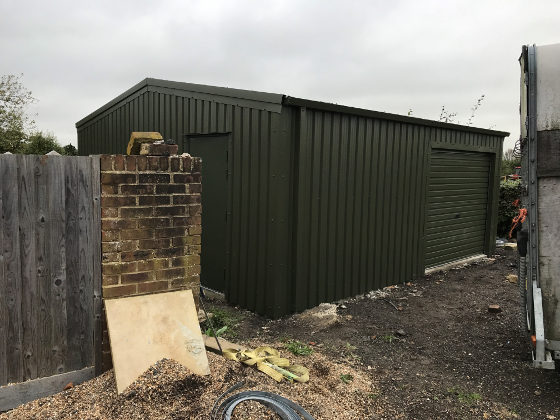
[454, 264]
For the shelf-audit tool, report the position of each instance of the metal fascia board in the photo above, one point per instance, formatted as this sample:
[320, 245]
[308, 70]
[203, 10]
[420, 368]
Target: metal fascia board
[112, 102]
[325, 106]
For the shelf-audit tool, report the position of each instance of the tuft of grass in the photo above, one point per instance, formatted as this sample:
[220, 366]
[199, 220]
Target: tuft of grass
[224, 323]
[465, 397]
[389, 338]
[298, 348]
[346, 378]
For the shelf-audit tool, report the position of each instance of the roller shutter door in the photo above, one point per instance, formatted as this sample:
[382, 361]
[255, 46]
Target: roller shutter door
[457, 205]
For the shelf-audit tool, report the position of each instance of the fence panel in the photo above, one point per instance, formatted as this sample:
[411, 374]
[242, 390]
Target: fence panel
[49, 266]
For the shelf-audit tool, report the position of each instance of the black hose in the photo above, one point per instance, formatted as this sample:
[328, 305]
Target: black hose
[286, 409]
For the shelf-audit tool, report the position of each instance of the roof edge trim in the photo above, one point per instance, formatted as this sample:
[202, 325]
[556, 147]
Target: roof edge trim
[325, 106]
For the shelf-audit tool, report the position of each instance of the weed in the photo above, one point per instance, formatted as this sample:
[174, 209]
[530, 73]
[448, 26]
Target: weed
[389, 338]
[223, 321]
[373, 396]
[298, 348]
[346, 378]
[465, 397]
[350, 347]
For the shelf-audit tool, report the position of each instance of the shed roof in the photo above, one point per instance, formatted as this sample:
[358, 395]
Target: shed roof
[271, 102]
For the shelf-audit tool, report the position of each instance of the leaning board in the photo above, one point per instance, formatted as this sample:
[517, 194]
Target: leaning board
[148, 328]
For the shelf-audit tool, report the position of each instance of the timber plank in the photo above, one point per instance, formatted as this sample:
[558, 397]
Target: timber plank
[96, 271]
[85, 263]
[12, 269]
[44, 328]
[57, 262]
[26, 201]
[14, 395]
[3, 287]
[71, 247]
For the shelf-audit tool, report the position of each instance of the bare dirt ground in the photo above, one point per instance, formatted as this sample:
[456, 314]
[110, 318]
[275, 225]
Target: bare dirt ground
[432, 349]
[425, 350]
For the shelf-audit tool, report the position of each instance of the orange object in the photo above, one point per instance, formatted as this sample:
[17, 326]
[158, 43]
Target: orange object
[520, 218]
[534, 340]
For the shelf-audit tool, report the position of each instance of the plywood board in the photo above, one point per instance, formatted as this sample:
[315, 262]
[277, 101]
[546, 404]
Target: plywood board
[148, 328]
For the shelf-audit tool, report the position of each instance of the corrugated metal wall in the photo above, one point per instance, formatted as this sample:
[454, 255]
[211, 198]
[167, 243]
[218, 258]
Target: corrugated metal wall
[361, 199]
[259, 179]
[322, 204]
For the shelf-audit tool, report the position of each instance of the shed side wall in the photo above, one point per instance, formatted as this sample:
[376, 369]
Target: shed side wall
[361, 198]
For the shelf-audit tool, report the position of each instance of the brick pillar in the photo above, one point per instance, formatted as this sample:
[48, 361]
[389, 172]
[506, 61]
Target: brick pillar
[151, 225]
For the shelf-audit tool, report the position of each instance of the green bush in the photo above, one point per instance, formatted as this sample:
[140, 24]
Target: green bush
[509, 192]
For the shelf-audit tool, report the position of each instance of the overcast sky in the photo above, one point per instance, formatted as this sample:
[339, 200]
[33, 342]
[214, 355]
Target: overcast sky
[381, 55]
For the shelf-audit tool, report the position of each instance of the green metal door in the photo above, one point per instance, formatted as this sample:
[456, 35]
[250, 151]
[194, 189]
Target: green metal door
[213, 151]
[457, 211]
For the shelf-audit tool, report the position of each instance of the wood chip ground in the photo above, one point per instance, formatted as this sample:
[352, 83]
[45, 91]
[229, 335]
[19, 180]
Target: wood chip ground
[169, 391]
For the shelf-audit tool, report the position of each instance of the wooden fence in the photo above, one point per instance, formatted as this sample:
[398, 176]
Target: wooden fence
[50, 272]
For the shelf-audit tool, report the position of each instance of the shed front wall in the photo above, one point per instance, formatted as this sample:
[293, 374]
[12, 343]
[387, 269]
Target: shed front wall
[259, 180]
[361, 191]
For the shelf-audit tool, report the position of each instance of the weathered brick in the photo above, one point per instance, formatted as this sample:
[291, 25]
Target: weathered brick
[170, 252]
[194, 249]
[158, 163]
[174, 163]
[153, 178]
[139, 254]
[109, 189]
[154, 222]
[195, 230]
[110, 247]
[170, 273]
[197, 178]
[106, 162]
[181, 221]
[128, 245]
[181, 199]
[117, 201]
[153, 286]
[136, 211]
[129, 267]
[170, 189]
[192, 283]
[119, 163]
[136, 277]
[109, 212]
[113, 179]
[194, 220]
[109, 235]
[118, 291]
[131, 163]
[187, 164]
[114, 224]
[195, 210]
[111, 269]
[138, 189]
[193, 239]
[153, 200]
[195, 188]
[192, 269]
[185, 261]
[155, 243]
[182, 178]
[142, 163]
[180, 241]
[137, 234]
[110, 257]
[170, 211]
[170, 232]
[196, 164]
[110, 280]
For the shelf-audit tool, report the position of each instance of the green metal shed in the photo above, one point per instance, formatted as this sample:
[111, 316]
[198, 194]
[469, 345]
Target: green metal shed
[307, 202]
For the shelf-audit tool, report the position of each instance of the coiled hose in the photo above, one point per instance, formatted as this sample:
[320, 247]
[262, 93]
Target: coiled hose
[286, 409]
